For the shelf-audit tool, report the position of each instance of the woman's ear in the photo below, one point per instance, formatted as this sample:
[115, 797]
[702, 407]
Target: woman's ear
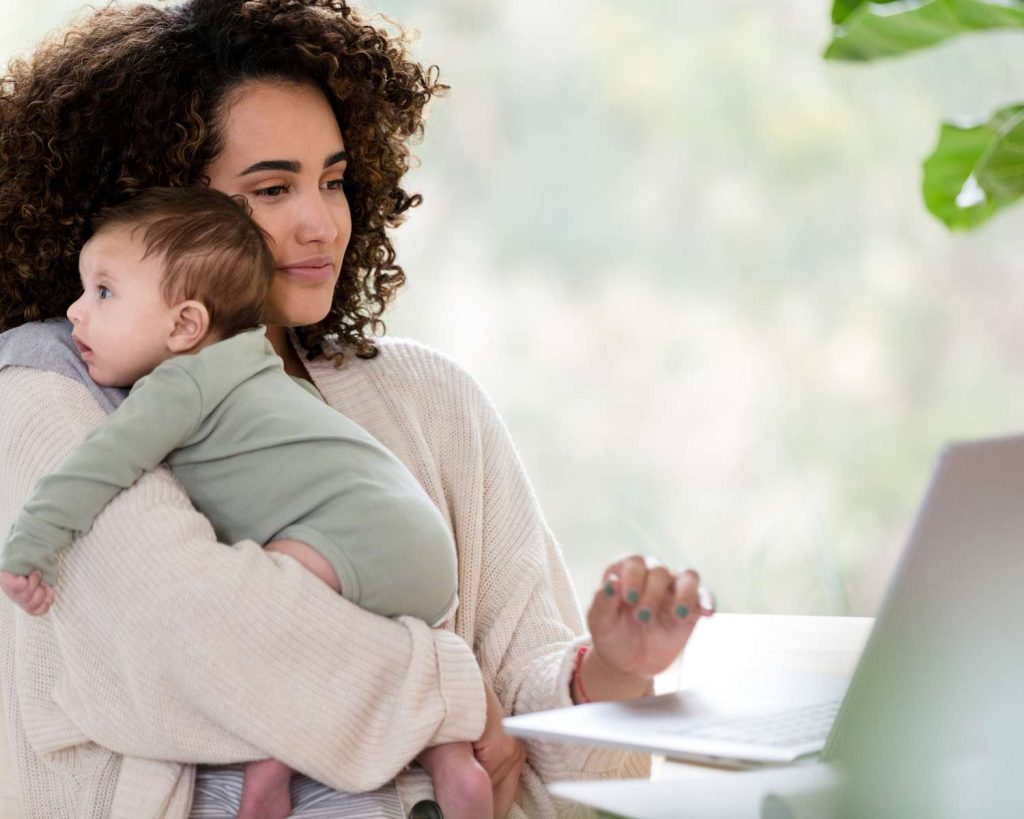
[191, 324]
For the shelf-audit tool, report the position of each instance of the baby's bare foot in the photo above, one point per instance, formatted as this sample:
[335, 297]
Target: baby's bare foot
[265, 793]
[461, 785]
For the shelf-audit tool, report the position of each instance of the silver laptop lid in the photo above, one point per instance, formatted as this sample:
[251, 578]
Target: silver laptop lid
[935, 709]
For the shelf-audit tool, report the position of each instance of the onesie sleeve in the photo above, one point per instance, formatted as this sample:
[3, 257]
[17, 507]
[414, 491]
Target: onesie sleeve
[159, 414]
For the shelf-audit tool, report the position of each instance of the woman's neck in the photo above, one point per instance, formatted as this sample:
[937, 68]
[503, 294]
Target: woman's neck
[278, 338]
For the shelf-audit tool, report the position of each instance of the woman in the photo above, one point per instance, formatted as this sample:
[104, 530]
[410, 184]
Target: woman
[164, 644]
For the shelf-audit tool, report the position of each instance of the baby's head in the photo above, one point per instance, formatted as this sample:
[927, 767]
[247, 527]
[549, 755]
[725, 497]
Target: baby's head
[167, 272]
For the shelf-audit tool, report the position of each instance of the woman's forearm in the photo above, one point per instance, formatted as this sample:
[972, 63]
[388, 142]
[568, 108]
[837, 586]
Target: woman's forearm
[174, 646]
[247, 655]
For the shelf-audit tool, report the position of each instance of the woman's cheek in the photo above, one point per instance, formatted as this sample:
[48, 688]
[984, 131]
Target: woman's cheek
[271, 227]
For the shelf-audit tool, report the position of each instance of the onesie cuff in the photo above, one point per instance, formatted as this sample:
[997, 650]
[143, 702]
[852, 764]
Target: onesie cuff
[33, 544]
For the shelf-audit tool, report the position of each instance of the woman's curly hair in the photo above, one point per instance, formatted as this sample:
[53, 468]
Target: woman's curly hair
[128, 99]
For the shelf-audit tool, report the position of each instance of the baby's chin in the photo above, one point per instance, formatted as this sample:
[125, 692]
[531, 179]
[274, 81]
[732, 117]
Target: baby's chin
[104, 379]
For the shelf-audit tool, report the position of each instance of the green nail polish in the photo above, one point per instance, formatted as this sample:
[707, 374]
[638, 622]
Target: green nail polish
[644, 614]
[682, 611]
[609, 589]
[633, 596]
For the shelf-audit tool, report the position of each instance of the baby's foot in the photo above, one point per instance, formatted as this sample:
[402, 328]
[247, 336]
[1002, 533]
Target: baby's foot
[461, 785]
[467, 796]
[265, 792]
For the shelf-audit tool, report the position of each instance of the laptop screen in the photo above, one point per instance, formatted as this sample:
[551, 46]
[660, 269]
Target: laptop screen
[934, 716]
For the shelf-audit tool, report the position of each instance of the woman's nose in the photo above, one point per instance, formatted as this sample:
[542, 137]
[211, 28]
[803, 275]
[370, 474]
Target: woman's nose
[316, 221]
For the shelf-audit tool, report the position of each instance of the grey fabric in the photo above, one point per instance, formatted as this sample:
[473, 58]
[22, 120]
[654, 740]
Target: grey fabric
[218, 792]
[47, 345]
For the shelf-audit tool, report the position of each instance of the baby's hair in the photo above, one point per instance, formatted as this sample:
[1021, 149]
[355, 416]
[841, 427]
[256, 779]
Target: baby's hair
[213, 251]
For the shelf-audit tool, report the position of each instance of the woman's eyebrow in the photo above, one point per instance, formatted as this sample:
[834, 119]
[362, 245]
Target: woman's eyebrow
[334, 159]
[289, 165]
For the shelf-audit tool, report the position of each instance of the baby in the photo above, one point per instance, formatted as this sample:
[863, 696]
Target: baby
[174, 283]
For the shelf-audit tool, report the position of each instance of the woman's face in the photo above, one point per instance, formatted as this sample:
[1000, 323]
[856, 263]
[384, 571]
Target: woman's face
[284, 153]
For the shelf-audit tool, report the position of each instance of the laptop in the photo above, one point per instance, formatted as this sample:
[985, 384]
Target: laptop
[939, 687]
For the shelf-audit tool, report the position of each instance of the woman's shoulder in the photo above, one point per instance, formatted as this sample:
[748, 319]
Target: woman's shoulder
[426, 375]
[407, 378]
[418, 361]
[400, 365]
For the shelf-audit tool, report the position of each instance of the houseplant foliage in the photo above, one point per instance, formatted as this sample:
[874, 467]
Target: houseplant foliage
[976, 169]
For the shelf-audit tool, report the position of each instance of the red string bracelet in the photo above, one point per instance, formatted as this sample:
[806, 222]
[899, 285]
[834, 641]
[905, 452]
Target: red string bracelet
[580, 653]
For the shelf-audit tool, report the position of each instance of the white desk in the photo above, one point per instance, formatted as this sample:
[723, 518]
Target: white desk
[732, 644]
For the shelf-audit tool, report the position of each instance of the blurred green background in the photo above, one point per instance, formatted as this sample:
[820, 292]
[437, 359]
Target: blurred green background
[688, 260]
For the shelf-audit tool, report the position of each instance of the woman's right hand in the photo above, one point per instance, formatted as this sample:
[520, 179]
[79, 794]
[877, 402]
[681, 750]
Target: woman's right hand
[640, 620]
[502, 756]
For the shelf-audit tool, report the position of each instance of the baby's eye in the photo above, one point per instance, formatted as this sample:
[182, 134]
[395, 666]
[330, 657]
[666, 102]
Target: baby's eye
[103, 289]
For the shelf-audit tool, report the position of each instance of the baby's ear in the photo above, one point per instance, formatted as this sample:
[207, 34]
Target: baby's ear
[191, 324]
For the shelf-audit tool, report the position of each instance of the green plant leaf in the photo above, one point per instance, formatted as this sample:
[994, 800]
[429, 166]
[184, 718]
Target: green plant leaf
[841, 9]
[869, 29]
[975, 171]
[1001, 170]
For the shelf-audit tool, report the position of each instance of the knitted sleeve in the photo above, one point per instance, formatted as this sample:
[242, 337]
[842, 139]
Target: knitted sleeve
[174, 646]
[518, 608]
[534, 619]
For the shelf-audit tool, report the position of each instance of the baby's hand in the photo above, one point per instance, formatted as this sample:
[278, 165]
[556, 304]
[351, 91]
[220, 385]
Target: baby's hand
[31, 593]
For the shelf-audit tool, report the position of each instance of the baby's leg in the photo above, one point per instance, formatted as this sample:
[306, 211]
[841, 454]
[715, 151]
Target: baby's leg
[308, 557]
[461, 785]
[265, 792]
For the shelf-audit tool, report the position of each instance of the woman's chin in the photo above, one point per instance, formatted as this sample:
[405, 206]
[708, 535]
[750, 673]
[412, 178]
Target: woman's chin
[296, 318]
[298, 312]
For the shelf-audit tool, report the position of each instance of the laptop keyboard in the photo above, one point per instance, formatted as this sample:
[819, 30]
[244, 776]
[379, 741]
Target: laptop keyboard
[782, 729]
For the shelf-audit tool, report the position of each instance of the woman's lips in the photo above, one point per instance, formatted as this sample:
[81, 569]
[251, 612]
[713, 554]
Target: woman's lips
[317, 269]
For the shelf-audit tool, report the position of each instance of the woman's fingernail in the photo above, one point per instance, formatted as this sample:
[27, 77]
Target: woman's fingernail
[632, 596]
[609, 589]
[644, 614]
[682, 611]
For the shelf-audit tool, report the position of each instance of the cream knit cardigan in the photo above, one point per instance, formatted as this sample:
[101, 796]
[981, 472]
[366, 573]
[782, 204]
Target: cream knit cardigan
[165, 649]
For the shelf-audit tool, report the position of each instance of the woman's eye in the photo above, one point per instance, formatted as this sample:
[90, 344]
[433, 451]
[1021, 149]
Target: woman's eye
[272, 190]
[103, 289]
[335, 184]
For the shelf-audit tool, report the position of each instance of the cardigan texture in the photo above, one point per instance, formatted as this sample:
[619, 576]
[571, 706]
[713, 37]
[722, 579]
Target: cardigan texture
[166, 649]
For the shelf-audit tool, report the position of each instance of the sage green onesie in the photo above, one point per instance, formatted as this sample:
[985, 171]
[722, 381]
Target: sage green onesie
[263, 458]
